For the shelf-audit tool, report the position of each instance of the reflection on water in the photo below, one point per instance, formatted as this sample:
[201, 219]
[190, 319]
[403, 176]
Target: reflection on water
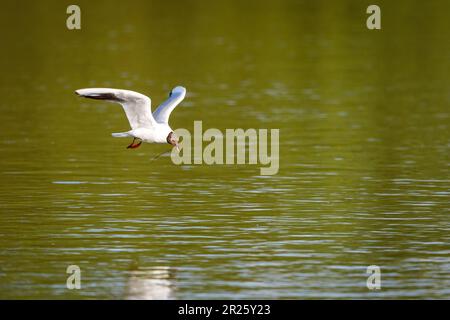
[364, 151]
[151, 284]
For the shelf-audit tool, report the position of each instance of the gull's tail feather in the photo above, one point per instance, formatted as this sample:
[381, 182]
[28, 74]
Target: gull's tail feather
[120, 134]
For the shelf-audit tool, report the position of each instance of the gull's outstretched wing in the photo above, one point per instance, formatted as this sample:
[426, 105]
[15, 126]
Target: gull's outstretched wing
[137, 106]
[164, 110]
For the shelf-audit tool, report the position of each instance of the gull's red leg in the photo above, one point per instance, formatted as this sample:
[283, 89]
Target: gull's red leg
[131, 144]
[134, 146]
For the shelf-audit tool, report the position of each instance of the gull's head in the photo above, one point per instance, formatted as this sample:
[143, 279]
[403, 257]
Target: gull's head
[173, 140]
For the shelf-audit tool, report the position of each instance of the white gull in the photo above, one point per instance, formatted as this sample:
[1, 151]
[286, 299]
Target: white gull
[145, 126]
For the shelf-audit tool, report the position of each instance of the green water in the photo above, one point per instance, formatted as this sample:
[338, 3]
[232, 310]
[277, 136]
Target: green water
[364, 150]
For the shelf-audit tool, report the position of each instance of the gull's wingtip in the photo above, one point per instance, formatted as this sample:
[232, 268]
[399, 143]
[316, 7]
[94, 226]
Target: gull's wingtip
[80, 92]
[178, 90]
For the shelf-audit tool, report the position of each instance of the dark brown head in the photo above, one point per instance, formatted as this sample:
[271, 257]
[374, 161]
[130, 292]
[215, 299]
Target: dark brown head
[173, 140]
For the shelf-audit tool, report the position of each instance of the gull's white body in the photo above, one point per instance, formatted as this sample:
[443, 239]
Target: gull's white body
[148, 127]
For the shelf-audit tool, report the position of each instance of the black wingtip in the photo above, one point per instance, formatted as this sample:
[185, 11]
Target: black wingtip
[102, 96]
